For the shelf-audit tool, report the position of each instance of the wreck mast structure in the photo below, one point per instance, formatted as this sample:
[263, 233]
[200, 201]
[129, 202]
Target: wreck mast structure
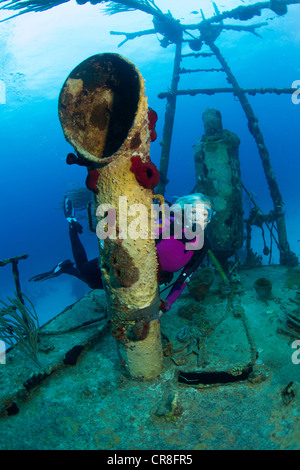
[206, 33]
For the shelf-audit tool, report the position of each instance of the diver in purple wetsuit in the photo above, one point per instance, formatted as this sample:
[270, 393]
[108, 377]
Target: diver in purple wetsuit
[181, 245]
[185, 247]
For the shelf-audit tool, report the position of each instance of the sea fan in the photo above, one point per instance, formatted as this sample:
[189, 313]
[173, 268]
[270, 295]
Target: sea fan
[148, 6]
[117, 6]
[30, 5]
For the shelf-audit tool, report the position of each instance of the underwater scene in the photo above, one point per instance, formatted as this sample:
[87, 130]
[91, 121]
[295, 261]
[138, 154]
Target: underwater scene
[150, 236]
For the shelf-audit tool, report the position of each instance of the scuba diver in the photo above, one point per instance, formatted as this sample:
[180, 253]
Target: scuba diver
[172, 252]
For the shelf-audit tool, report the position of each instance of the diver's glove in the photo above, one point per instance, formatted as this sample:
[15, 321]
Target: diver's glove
[74, 224]
[68, 208]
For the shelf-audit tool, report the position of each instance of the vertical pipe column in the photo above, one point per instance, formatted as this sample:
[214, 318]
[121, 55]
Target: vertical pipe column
[104, 115]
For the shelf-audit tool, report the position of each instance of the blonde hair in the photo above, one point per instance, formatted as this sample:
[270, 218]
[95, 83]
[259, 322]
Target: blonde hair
[194, 198]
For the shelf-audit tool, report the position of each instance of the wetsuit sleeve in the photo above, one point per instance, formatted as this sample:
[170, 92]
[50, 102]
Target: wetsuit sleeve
[187, 271]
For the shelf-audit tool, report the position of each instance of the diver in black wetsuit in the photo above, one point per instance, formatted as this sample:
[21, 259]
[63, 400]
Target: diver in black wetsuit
[87, 271]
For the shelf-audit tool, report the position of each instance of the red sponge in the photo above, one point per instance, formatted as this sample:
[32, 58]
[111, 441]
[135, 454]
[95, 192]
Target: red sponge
[146, 173]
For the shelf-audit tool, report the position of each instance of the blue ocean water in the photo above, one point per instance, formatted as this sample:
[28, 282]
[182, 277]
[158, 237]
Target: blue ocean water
[38, 52]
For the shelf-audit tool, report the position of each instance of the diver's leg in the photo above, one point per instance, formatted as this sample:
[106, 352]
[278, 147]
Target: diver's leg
[75, 228]
[64, 267]
[78, 250]
[91, 274]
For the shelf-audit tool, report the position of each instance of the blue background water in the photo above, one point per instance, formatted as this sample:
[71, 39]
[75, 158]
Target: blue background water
[39, 51]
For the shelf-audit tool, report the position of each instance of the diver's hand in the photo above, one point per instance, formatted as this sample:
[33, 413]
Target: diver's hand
[162, 308]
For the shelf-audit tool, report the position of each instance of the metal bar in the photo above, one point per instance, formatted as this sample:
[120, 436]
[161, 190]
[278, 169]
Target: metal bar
[183, 70]
[212, 91]
[169, 122]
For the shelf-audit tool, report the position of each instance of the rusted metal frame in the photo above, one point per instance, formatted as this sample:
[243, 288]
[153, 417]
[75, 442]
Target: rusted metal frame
[212, 91]
[169, 121]
[15, 270]
[285, 253]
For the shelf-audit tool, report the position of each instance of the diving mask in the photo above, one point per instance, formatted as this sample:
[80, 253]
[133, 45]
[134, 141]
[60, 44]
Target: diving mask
[199, 213]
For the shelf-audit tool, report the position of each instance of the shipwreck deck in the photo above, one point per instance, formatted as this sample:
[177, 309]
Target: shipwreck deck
[229, 381]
